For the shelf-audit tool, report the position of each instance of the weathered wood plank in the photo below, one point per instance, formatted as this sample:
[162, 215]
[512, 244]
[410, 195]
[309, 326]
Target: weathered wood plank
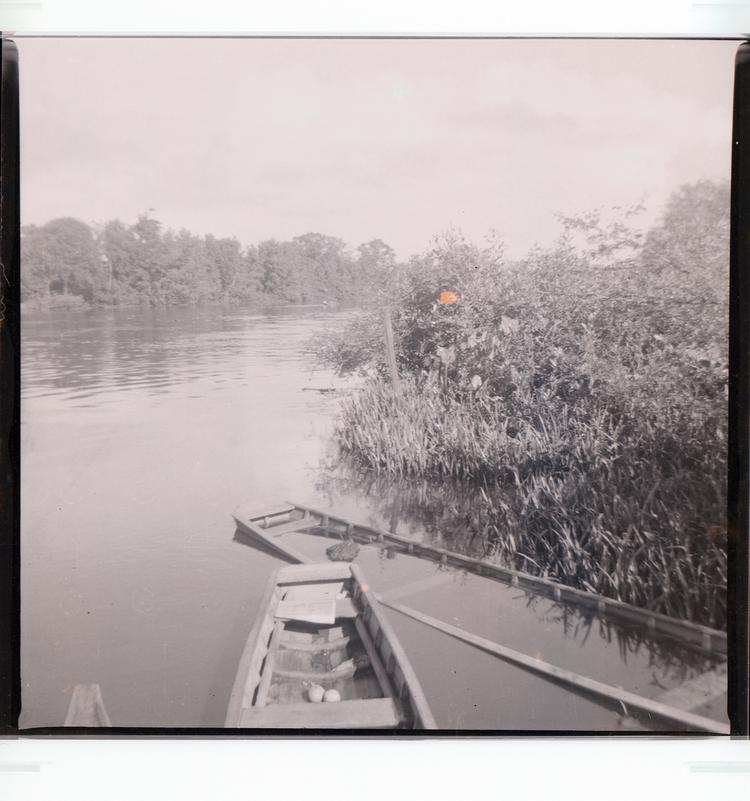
[384, 648]
[290, 527]
[322, 612]
[265, 679]
[252, 656]
[373, 713]
[372, 654]
[418, 699]
[583, 683]
[87, 707]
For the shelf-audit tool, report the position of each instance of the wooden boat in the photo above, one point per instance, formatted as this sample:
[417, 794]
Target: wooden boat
[265, 530]
[319, 624]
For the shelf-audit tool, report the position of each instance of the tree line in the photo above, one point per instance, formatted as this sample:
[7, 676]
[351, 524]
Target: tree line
[67, 262]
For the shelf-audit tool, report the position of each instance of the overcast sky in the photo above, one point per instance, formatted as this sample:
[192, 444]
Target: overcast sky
[397, 139]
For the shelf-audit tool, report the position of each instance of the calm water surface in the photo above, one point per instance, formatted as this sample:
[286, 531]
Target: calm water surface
[141, 431]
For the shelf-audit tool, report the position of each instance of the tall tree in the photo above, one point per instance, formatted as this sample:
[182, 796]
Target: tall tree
[37, 260]
[691, 242]
[126, 277]
[281, 271]
[325, 266]
[153, 255]
[376, 268]
[225, 258]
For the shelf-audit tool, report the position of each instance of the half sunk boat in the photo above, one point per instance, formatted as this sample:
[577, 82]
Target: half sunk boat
[271, 530]
[321, 632]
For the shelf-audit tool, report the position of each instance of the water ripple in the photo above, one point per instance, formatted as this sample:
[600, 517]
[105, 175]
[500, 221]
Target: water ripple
[104, 355]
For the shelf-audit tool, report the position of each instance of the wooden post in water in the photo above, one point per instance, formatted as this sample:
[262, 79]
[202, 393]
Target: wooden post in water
[86, 707]
[390, 350]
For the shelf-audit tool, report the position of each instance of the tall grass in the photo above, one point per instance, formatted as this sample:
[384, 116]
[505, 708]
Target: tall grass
[582, 499]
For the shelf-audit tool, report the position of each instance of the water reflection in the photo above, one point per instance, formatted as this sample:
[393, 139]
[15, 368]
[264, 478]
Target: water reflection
[141, 431]
[95, 354]
[450, 515]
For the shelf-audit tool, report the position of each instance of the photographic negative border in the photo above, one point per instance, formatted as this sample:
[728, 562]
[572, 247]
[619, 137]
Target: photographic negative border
[738, 456]
[739, 401]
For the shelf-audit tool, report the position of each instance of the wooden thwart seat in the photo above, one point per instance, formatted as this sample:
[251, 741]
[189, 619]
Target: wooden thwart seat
[371, 713]
[324, 612]
[314, 646]
[290, 527]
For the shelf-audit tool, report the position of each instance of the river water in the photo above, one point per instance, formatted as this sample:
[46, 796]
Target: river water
[141, 431]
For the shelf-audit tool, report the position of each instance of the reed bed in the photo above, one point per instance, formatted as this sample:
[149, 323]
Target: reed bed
[568, 496]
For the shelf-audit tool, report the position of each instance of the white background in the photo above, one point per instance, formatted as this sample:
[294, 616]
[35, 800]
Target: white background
[702, 18]
[55, 768]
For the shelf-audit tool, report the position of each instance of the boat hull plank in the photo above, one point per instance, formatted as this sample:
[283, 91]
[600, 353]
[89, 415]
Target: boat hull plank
[265, 682]
[374, 657]
[252, 655]
[256, 514]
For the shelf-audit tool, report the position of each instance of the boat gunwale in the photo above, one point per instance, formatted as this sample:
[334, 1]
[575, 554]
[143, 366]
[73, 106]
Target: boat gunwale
[372, 610]
[237, 695]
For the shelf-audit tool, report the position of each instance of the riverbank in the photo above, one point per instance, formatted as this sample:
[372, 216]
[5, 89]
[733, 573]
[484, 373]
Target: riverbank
[61, 302]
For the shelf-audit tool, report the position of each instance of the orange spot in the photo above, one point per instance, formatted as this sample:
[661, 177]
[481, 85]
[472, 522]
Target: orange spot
[448, 298]
[715, 531]
[365, 588]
